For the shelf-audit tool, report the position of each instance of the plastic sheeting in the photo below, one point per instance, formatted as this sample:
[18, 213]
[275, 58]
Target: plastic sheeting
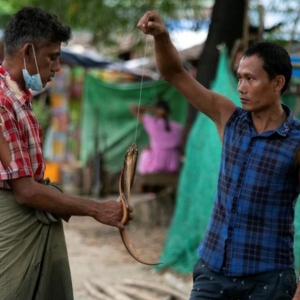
[109, 127]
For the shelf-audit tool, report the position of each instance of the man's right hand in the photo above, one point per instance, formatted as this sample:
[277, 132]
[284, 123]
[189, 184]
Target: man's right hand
[39, 196]
[152, 24]
[110, 213]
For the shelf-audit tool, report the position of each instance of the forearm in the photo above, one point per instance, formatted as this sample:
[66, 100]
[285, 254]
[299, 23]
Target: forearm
[215, 106]
[167, 57]
[40, 197]
[168, 60]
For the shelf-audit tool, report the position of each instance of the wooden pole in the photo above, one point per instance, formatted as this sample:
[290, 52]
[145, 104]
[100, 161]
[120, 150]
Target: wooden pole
[294, 30]
[246, 26]
[261, 13]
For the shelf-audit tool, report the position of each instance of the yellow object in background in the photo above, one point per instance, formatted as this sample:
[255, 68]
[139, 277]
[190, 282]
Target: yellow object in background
[52, 171]
[57, 100]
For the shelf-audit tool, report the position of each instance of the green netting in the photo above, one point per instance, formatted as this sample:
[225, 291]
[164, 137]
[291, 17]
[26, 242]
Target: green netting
[107, 123]
[198, 182]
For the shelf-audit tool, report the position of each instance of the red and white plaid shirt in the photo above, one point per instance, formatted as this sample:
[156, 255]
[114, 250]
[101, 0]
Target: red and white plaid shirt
[22, 132]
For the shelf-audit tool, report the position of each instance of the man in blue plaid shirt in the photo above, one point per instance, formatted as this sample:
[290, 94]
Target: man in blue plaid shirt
[247, 252]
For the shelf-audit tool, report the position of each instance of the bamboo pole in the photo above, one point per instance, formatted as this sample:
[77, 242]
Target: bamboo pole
[261, 13]
[245, 40]
[294, 30]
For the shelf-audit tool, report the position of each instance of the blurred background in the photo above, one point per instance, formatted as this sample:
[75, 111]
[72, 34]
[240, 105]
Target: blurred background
[108, 67]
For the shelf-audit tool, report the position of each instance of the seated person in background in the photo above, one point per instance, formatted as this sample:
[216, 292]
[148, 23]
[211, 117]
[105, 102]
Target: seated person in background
[163, 155]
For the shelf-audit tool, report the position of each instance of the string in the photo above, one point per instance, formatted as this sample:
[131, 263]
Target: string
[141, 89]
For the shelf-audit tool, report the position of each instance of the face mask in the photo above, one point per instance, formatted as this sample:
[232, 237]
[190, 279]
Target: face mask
[33, 82]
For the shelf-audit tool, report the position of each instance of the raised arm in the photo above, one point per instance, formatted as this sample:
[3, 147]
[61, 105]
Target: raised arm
[215, 106]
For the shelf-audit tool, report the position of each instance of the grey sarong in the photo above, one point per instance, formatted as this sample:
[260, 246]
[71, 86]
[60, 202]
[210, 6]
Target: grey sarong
[33, 255]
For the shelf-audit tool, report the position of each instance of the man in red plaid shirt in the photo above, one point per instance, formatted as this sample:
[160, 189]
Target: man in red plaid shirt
[33, 257]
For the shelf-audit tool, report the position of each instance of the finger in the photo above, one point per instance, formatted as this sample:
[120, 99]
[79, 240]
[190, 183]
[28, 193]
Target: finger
[128, 222]
[147, 22]
[130, 208]
[142, 22]
[131, 216]
[120, 226]
[144, 19]
[143, 27]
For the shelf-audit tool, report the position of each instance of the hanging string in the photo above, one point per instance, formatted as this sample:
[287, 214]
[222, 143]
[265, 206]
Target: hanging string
[141, 89]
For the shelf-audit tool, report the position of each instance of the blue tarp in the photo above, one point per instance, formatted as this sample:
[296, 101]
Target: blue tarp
[296, 70]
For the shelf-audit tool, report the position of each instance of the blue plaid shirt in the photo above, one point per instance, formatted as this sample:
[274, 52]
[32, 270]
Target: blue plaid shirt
[251, 229]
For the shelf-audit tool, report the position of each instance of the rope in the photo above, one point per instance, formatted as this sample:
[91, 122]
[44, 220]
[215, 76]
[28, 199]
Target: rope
[141, 89]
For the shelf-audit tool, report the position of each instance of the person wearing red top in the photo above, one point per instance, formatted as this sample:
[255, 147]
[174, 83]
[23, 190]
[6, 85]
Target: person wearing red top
[33, 257]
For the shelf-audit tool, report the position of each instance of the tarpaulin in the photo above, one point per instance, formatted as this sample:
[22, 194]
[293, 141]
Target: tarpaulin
[109, 127]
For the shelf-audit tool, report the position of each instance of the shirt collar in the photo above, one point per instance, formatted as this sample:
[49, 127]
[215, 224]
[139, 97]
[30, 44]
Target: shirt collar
[283, 129]
[23, 96]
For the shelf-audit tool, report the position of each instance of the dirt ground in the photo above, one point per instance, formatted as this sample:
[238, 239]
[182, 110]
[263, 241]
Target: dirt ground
[96, 254]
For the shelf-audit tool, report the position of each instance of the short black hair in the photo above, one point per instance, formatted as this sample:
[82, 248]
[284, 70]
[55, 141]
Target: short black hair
[36, 26]
[160, 103]
[276, 60]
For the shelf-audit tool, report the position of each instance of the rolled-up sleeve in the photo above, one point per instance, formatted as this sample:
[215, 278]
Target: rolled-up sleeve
[20, 164]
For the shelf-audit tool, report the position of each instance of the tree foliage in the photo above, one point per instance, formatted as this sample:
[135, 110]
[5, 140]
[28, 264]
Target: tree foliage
[286, 13]
[110, 18]
[6, 10]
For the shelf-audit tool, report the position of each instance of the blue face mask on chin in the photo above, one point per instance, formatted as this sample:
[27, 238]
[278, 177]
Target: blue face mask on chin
[33, 82]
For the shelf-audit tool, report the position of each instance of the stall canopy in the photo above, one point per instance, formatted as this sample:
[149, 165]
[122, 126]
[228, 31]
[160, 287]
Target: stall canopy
[84, 60]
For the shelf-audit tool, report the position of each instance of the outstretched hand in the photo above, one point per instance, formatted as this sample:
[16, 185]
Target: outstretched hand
[152, 24]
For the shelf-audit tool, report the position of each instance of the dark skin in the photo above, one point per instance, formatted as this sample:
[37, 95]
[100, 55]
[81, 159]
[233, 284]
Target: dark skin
[29, 192]
[259, 94]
